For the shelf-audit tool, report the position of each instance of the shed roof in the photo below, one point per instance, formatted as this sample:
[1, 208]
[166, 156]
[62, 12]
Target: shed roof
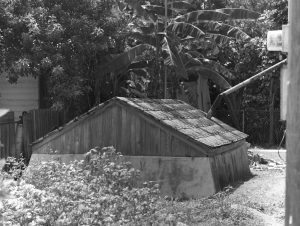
[187, 120]
[179, 116]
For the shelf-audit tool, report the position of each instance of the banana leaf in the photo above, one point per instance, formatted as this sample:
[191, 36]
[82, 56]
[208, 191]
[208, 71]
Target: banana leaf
[239, 14]
[223, 29]
[193, 58]
[158, 10]
[172, 58]
[183, 30]
[200, 15]
[218, 39]
[181, 5]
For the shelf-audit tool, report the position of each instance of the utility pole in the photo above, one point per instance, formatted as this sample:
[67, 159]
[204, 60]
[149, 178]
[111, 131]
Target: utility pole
[292, 205]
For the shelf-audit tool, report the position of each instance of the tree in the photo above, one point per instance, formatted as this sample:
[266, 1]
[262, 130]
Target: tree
[186, 43]
[61, 42]
[246, 60]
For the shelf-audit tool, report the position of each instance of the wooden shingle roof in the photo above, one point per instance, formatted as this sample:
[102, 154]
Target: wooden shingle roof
[187, 120]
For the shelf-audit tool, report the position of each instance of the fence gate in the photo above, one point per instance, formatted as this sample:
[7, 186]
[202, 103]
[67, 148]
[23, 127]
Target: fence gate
[7, 134]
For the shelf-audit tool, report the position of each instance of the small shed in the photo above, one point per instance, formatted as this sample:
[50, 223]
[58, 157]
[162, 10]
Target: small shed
[170, 141]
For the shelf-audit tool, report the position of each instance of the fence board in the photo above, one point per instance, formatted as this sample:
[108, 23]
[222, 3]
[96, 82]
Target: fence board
[7, 136]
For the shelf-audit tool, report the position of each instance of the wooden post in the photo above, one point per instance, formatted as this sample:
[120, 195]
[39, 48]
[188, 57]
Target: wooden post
[292, 206]
[166, 70]
[271, 111]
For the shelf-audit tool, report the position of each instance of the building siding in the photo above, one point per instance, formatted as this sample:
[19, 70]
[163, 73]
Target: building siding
[19, 97]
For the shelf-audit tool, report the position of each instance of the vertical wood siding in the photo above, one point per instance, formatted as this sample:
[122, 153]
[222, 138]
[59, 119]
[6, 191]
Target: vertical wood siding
[231, 166]
[19, 97]
[36, 124]
[128, 130]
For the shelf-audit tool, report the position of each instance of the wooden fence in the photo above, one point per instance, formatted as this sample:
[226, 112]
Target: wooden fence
[16, 137]
[36, 124]
[7, 136]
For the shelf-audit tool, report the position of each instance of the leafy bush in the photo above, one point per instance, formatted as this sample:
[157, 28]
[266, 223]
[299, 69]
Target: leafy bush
[102, 189]
[13, 167]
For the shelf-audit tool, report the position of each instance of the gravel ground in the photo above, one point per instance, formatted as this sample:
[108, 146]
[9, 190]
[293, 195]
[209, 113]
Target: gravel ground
[275, 154]
[264, 193]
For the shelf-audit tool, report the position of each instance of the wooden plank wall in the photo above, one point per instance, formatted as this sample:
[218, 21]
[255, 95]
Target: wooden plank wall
[231, 166]
[44, 121]
[129, 131]
[36, 124]
[7, 136]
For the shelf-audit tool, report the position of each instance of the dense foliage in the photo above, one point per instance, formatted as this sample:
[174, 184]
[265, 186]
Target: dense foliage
[64, 42]
[261, 99]
[103, 189]
[85, 52]
[61, 42]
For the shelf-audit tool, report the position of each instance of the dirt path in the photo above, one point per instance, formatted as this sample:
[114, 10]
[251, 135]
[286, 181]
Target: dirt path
[263, 195]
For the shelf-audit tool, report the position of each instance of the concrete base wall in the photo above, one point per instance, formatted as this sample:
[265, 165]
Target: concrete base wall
[177, 176]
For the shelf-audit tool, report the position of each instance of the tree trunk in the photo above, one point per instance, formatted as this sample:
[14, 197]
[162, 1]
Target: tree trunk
[197, 94]
[203, 97]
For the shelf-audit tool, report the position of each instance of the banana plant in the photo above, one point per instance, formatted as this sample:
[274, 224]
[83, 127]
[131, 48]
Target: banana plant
[184, 42]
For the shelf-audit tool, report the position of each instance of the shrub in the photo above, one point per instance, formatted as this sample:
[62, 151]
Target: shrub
[102, 189]
[13, 167]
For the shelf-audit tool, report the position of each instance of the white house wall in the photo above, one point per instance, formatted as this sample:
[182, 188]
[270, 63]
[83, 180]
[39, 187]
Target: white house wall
[19, 97]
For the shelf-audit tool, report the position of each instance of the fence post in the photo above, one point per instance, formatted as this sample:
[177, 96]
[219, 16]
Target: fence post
[27, 135]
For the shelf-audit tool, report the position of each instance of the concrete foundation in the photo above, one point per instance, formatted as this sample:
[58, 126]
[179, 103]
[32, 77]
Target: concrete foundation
[177, 176]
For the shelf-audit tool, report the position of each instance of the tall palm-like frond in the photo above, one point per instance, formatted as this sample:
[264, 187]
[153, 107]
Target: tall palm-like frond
[202, 15]
[239, 14]
[172, 57]
[182, 29]
[222, 29]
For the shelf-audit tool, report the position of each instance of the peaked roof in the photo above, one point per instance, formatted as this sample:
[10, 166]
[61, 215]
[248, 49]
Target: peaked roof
[178, 115]
[187, 120]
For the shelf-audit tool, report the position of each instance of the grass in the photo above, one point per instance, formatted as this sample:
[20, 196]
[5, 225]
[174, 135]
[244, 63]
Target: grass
[215, 210]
